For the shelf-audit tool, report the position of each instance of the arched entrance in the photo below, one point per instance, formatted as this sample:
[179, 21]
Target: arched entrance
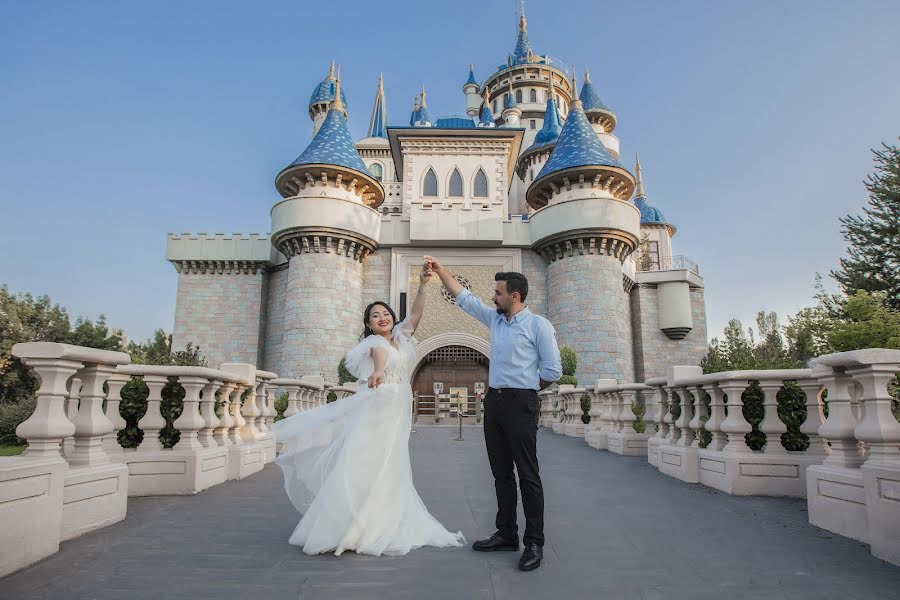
[460, 371]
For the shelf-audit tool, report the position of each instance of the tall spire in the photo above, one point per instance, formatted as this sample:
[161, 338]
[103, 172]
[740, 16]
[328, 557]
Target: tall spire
[638, 179]
[336, 103]
[487, 117]
[422, 115]
[523, 44]
[378, 122]
[423, 95]
[471, 80]
[415, 111]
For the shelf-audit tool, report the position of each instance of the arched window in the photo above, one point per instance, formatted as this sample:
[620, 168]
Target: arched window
[377, 171]
[456, 184]
[505, 98]
[495, 106]
[518, 96]
[532, 95]
[429, 185]
[480, 185]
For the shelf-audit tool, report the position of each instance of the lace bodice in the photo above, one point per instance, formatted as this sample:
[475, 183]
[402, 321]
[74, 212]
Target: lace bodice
[395, 367]
[399, 360]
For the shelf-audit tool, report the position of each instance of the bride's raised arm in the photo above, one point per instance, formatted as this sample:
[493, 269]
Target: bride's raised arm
[418, 306]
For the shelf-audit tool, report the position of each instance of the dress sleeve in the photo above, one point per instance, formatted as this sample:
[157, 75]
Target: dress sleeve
[359, 360]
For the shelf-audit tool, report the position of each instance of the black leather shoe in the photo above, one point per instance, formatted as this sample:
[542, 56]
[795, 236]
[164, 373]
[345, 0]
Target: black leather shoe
[494, 543]
[531, 558]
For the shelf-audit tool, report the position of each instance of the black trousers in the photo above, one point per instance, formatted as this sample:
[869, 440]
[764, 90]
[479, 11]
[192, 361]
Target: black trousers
[510, 433]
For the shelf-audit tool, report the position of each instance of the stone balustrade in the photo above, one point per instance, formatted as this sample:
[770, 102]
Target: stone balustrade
[560, 415]
[342, 391]
[547, 399]
[696, 429]
[572, 424]
[75, 476]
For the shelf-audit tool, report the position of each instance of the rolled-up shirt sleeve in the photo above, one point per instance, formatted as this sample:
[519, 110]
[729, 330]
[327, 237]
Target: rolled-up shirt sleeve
[549, 362]
[475, 307]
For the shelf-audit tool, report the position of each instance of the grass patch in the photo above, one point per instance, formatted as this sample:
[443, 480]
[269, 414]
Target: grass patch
[12, 450]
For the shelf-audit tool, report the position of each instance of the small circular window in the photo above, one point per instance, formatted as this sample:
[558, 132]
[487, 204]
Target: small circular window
[445, 293]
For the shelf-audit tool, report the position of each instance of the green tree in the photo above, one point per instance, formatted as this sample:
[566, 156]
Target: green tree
[807, 334]
[868, 323]
[344, 375]
[569, 360]
[873, 252]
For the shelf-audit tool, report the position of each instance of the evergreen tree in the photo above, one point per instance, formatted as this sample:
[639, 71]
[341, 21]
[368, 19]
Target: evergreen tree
[873, 252]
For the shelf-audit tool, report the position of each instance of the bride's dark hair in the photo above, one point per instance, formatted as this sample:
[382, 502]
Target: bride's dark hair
[367, 331]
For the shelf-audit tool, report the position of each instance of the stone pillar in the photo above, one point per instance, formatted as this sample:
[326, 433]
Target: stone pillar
[113, 398]
[48, 425]
[153, 422]
[91, 424]
[208, 413]
[226, 421]
[771, 424]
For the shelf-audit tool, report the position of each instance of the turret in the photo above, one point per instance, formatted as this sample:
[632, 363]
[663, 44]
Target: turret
[320, 100]
[602, 119]
[532, 159]
[471, 90]
[511, 111]
[487, 117]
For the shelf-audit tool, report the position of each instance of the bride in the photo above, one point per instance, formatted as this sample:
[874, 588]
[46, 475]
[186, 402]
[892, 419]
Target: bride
[346, 464]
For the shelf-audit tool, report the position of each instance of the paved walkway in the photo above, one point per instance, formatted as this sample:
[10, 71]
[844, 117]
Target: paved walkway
[616, 529]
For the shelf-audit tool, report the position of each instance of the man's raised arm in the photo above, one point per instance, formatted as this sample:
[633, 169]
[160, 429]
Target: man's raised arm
[464, 298]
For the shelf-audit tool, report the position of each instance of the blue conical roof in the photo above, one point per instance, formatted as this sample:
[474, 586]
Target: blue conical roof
[332, 145]
[649, 213]
[487, 117]
[589, 97]
[523, 44]
[551, 129]
[510, 101]
[471, 79]
[577, 146]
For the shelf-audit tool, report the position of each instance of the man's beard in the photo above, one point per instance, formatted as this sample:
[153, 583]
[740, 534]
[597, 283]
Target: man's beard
[501, 311]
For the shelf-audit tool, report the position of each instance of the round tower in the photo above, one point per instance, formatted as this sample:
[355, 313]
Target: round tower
[326, 224]
[532, 159]
[320, 100]
[585, 228]
[602, 119]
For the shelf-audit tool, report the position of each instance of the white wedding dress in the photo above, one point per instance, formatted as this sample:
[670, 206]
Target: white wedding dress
[346, 464]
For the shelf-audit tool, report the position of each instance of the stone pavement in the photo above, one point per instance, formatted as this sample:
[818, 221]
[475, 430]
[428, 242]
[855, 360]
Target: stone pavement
[616, 529]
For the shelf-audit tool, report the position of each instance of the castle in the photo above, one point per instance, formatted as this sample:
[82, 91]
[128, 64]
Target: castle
[529, 180]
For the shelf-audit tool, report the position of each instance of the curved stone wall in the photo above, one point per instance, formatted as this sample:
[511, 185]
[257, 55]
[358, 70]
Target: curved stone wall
[592, 314]
[322, 313]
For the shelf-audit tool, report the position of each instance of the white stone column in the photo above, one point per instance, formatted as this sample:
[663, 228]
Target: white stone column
[208, 414]
[240, 424]
[71, 411]
[838, 429]
[190, 421]
[878, 428]
[815, 417]
[48, 425]
[665, 427]
[735, 426]
[114, 386]
[685, 418]
[91, 424]
[226, 421]
[716, 416]
[771, 424]
[152, 422]
[700, 416]
[292, 406]
[627, 418]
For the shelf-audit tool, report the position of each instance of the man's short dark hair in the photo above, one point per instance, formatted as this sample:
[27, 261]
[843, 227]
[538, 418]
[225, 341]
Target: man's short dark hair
[515, 282]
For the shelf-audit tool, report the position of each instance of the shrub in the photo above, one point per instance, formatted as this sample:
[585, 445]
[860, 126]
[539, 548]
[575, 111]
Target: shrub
[10, 417]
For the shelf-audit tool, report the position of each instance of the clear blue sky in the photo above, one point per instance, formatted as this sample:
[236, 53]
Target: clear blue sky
[122, 121]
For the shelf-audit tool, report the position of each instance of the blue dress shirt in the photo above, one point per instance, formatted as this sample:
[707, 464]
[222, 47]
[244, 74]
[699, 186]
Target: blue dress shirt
[523, 348]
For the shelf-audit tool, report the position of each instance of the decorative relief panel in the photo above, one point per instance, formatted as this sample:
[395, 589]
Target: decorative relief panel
[442, 317]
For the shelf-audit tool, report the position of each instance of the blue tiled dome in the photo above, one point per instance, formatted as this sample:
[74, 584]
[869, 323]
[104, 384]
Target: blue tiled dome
[332, 146]
[649, 213]
[589, 97]
[577, 146]
[487, 117]
[509, 102]
[324, 92]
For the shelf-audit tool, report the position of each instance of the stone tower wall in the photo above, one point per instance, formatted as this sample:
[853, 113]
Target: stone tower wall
[534, 268]
[322, 313]
[591, 313]
[222, 313]
[654, 352]
[276, 292]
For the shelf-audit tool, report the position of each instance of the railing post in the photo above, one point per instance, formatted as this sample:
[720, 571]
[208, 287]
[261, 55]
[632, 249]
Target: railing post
[838, 428]
[190, 422]
[74, 387]
[240, 424]
[716, 416]
[208, 414]
[91, 424]
[735, 426]
[292, 406]
[153, 422]
[114, 386]
[48, 425]
[685, 418]
[700, 416]
[226, 421]
[771, 424]
[815, 417]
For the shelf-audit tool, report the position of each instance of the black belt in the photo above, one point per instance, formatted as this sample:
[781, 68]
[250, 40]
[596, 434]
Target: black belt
[511, 390]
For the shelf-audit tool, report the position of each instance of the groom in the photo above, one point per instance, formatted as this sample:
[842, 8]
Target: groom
[524, 359]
